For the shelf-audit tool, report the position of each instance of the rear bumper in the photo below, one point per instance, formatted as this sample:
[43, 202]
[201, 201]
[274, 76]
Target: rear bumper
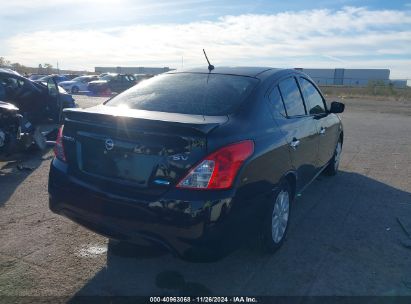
[179, 220]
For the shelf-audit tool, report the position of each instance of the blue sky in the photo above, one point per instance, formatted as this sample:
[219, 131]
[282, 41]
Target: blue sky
[82, 34]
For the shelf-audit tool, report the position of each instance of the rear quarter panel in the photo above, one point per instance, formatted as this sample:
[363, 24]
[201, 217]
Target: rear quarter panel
[270, 161]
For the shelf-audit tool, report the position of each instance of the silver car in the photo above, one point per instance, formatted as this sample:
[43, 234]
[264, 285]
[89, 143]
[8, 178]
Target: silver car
[78, 84]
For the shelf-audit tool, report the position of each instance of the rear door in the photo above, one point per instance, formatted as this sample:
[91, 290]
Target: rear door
[115, 84]
[300, 130]
[327, 125]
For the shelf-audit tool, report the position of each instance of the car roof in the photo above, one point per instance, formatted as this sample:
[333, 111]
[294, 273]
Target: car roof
[257, 72]
[9, 71]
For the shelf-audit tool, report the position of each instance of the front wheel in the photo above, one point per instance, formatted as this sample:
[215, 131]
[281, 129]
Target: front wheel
[275, 225]
[332, 167]
[74, 90]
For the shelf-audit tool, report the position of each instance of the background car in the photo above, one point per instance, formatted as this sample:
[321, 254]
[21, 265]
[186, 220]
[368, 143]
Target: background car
[56, 78]
[113, 82]
[33, 97]
[71, 76]
[78, 84]
[34, 77]
[141, 77]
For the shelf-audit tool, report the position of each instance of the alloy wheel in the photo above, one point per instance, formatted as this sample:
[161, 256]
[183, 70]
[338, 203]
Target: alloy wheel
[280, 216]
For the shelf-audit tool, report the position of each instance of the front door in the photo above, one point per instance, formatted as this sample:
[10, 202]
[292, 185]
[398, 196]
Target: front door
[54, 106]
[326, 123]
[328, 126]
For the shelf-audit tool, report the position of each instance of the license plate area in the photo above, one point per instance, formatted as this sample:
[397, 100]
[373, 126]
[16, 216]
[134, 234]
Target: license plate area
[119, 162]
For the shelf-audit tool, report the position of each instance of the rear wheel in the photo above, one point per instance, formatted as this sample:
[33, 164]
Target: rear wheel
[275, 225]
[332, 167]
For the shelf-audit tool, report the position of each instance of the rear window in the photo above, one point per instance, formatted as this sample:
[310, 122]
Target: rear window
[199, 94]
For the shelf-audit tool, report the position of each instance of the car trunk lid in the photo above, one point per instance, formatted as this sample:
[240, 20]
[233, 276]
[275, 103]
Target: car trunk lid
[137, 151]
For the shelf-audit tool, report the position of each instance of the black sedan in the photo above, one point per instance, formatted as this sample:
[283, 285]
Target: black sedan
[189, 159]
[112, 82]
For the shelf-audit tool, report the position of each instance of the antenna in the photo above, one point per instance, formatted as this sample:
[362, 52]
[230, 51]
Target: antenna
[210, 66]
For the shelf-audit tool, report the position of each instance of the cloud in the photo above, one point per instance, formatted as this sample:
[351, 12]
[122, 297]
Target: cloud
[349, 37]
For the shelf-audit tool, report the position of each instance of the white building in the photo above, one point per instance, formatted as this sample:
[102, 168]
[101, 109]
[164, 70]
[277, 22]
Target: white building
[132, 70]
[348, 77]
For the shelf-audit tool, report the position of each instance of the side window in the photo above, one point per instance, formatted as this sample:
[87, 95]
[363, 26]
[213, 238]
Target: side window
[276, 102]
[314, 101]
[12, 83]
[292, 97]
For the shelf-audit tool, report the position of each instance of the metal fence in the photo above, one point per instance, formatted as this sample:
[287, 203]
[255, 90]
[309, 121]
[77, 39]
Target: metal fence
[362, 82]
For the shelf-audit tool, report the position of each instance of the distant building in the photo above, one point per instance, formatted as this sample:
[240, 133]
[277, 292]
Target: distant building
[348, 77]
[399, 83]
[132, 70]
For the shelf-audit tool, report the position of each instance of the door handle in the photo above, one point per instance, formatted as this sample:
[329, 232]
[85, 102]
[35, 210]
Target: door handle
[322, 131]
[295, 143]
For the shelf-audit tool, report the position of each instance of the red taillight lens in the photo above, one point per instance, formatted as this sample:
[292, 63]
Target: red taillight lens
[59, 148]
[219, 169]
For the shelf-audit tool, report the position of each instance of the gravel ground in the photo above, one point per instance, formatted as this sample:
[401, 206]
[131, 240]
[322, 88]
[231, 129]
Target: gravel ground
[344, 239]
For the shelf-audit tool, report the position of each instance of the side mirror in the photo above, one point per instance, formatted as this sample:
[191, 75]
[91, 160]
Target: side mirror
[337, 107]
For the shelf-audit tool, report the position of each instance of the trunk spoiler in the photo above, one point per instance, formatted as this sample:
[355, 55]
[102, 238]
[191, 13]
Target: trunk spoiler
[111, 115]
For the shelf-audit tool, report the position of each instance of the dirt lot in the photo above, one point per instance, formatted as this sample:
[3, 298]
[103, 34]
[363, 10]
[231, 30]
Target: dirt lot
[344, 239]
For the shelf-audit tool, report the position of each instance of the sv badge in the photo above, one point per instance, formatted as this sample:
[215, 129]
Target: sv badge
[179, 157]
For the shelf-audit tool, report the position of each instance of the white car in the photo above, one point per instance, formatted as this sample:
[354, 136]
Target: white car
[78, 84]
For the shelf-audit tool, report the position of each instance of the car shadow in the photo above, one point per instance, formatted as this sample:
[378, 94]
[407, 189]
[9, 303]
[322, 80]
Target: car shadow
[17, 167]
[344, 239]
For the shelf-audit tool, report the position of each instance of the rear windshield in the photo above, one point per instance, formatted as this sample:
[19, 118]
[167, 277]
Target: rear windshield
[199, 94]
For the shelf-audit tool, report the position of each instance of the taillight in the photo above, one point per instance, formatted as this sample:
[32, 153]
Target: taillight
[219, 169]
[59, 147]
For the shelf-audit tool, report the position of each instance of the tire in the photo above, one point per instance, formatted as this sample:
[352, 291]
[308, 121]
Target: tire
[75, 90]
[332, 167]
[276, 221]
